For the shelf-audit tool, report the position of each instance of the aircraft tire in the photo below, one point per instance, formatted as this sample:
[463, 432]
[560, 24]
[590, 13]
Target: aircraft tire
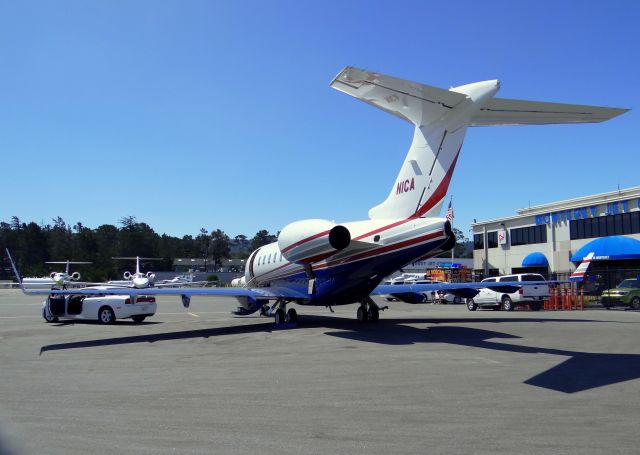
[279, 317]
[362, 315]
[292, 316]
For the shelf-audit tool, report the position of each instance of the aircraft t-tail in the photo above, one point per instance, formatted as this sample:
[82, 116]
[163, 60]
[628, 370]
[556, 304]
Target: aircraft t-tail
[319, 262]
[59, 279]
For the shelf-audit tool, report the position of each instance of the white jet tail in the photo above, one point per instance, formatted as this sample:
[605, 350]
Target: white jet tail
[441, 118]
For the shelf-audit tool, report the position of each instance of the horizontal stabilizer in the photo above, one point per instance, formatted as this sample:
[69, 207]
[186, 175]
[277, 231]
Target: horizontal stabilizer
[502, 111]
[416, 103]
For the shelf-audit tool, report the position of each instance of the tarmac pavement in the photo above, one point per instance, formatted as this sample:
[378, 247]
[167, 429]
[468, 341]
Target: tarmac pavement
[434, 379]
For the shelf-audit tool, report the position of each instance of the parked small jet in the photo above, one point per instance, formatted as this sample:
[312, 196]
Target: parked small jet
[138, 279]
[56, 279]
[319, 262]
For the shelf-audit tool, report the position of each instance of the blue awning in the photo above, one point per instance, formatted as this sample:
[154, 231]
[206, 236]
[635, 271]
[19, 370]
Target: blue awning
[607, 248]
[535, 260]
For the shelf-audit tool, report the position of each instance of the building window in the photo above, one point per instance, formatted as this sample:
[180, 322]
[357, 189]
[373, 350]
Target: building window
[478, 242]
[604, 226]
[529, 235]
[492, 239]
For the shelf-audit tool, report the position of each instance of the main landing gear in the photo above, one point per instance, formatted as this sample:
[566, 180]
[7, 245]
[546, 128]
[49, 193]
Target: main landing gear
[282, 315]
[368, 311]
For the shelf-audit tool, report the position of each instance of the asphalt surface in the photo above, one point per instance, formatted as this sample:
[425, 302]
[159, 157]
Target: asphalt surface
[425, 379]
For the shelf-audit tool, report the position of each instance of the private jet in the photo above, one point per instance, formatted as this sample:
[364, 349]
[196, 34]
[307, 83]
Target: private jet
[322, 263]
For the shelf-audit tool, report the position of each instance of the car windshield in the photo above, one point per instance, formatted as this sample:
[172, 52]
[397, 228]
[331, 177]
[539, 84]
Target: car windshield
[629, 284]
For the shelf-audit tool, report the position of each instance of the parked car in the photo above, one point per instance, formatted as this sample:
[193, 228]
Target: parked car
[410, 297]
[533, 295]
[627, 293]
[103, 308]
[448, 297]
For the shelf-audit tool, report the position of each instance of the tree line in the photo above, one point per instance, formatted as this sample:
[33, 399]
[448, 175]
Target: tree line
[33, 244]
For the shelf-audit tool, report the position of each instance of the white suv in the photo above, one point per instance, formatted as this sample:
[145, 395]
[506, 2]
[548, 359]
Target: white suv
[533, 294]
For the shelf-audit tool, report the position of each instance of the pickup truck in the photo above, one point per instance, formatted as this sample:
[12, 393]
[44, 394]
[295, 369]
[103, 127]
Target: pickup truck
[533, 295]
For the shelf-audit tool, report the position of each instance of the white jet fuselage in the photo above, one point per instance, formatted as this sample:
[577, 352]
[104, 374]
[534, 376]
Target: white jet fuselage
[376, 249]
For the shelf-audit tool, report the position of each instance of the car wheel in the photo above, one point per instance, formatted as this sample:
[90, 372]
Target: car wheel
[138, 319]
[507, 303]
[635, 303]
[471, 305]
[48, 316]
[106, 315]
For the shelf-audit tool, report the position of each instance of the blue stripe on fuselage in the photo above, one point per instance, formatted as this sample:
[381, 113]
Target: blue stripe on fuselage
[352, 282]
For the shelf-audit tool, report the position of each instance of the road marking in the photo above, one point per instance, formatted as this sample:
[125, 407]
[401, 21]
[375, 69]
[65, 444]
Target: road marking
[201, 312]
[194, 315]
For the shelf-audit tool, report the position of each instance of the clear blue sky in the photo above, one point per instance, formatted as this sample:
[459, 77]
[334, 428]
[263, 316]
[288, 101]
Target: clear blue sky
[193, 114]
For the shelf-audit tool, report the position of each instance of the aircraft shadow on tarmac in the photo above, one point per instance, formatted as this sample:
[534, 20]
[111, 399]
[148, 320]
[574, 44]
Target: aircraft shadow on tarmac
[581, 371]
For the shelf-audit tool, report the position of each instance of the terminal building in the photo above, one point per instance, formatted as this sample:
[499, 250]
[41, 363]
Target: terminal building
[552, 239]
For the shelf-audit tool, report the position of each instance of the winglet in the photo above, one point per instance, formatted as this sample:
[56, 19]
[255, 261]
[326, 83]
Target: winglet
[15, 270]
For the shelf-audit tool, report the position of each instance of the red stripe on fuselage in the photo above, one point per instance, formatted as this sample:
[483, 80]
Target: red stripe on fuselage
[356, 257]
[385, 249]
[308, 239]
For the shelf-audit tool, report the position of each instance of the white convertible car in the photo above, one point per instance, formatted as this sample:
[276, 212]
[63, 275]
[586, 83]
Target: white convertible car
[103, 308]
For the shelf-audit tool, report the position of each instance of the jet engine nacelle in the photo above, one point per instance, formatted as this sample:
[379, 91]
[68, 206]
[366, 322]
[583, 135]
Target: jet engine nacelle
[309, 241]
[127, 275]
[75, 276]
[151, 276]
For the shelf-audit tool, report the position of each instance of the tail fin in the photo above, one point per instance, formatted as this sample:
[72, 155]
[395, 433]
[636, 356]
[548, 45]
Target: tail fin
[441, 118]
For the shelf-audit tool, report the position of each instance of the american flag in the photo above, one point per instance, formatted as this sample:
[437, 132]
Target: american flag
[449, 216]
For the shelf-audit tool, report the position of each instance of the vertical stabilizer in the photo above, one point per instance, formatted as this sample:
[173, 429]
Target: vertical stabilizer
[440, 118]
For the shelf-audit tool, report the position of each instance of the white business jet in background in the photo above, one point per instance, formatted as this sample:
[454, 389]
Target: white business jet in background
[138, 279]
[56, 279]
[319, 262]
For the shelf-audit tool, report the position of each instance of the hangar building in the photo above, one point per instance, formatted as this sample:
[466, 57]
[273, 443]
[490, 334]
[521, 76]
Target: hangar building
[550, 238]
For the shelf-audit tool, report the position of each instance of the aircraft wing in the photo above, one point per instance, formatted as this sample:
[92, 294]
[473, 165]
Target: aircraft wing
[261, 293]
[185, 284]
[466, 290]
[502, 111]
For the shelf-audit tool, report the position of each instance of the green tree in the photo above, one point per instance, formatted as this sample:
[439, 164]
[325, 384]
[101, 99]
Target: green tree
[262, 238]
[219, 247]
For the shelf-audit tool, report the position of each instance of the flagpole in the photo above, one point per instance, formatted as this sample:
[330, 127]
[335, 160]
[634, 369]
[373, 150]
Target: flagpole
[454, 245]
